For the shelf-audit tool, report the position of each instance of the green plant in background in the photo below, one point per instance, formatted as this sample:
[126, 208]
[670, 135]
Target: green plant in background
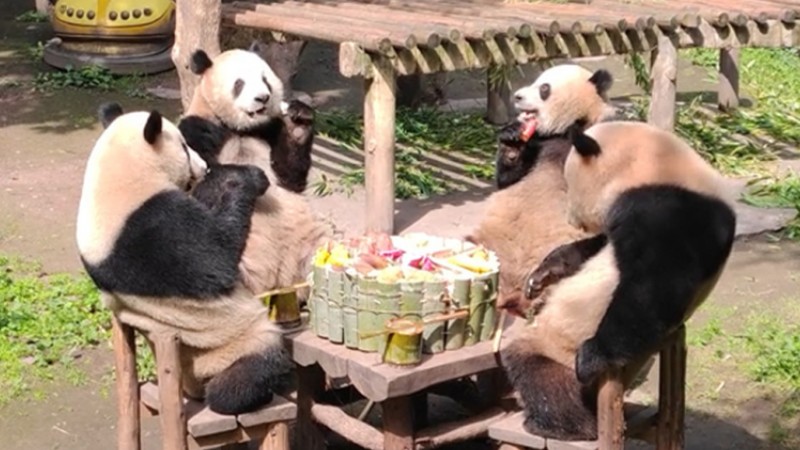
[417, 131]
[88, 77]
[35, 52]
[32, 16]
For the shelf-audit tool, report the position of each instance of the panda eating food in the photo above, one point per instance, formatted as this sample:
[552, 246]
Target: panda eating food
[167, 261]
[526, 218]
[238, 116]
[661, 227]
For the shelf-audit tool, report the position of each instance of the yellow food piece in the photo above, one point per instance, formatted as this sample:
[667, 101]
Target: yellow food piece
[481, 254]
[321, 257]
[391, 274]
[472, 264]
[339, 255]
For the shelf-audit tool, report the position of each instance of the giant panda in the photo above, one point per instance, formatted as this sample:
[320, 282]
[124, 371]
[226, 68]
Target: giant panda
[526, 217]
[238, 115]
[661, 226]
[166, 260]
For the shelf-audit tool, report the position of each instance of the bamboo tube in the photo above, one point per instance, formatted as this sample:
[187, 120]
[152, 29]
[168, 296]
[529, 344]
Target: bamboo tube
[367, 314]
[389, 306]
[403, 342]
[454, 335]
[350, 312]
[432, 305]
[489, 311]
[411, 295]
[284, 309]
[319, 292]
[335, 299]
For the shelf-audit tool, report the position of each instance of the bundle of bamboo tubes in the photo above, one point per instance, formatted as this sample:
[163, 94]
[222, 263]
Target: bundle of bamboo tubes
[402, 296]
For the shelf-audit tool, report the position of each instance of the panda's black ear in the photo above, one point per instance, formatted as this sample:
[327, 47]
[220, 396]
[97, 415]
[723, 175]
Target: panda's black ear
[152, 129]
[255, 47]
[200, 62]
[602, 81]
[107, 112]
[584, 144]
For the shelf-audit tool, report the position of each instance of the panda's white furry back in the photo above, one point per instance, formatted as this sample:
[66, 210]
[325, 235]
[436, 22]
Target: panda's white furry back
[168, 261]
[660, 225]
[238, 115]
[527, 217]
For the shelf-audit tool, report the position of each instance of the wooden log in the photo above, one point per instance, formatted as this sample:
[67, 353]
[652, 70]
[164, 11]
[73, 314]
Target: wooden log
[398, 430]
[671, 393]
[352, 429]
[277, 437]
[458, 431]
[379, 141]
[728, 90]
[610, 417]
[172, 414]
[127, 381]
[664, 74]
[196, 27]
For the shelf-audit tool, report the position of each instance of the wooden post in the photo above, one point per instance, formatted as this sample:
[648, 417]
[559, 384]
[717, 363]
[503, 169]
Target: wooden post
[197, 26]
[277, 437]
[128, 419]
[672, 393]
[379, 140]
[498, 99]
[310, 383]
[398, 429]
[610, 417]
[173, 417]
[664, 74]
[728, 90]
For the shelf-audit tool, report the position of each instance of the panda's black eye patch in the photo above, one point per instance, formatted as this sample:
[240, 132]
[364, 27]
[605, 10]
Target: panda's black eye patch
[237, 87]
[544, 91]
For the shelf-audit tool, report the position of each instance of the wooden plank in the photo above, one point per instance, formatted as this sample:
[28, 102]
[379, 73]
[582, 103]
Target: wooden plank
[510, 430]
[168, 364]
[379, 140]
[457, 431]
[610, 418]
[350, 428]
[728, 90]
[398, 429]
[206, 422]
[664, 74]
[238, 436]
[277, 437]
[127, 381]
[279, 410]
[553, 444]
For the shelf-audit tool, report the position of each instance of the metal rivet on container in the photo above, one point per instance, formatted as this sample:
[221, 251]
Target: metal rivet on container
[124, 15]
[148, 11]
[79, 13]
[112, 15]
[90, 15]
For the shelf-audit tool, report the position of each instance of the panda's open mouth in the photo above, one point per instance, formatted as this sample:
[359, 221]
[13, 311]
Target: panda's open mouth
[528, 115]
[529, 121]
[258, 112]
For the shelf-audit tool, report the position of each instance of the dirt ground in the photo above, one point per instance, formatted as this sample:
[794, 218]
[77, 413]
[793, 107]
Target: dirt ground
[45, 140]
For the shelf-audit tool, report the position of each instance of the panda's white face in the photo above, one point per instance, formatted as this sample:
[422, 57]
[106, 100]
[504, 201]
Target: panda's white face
[242, 90]
[560, 95]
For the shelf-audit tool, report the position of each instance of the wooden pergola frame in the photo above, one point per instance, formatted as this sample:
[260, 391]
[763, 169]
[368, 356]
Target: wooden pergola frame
[384, 52]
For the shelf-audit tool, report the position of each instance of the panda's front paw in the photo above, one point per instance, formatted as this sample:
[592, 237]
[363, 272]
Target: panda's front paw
[300, 113]
[258, 179]
[590, 362]
[509, 135]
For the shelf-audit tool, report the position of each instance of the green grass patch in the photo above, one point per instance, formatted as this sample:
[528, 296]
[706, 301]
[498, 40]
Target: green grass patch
[417, 131]
[88, 77]
[32, 16]
[43, 322]
[774, 348]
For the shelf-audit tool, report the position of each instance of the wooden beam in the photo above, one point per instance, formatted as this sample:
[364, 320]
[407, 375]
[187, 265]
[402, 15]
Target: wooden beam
[170, 393]
[277, 437]
[610, 414]
[664, 74]
[197, 25]
[728, 90]
[448, 433]
[348, 427]
[128, 419]
[310, 383]
[379, 140]
[398, 429]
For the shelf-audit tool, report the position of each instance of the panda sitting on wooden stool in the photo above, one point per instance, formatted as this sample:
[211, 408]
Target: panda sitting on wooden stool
[527, 218]
[238, 116]
[166, 261]
[661, 229]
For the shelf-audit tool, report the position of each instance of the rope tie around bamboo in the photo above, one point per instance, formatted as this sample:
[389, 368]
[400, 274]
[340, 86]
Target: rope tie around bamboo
[364, 312]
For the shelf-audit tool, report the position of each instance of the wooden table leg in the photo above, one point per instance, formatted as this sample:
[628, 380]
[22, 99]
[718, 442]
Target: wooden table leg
[172, 413]
[128, 419]
[310, 383]
[277, 437]
[664, 74]
[420, 401]
[610, 416]
[672, 394]
[398, 429]
[379, 140]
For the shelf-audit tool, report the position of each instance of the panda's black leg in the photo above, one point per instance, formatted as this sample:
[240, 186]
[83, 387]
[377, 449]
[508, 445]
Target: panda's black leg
[556, 405]
[249, 383]
[563, 262]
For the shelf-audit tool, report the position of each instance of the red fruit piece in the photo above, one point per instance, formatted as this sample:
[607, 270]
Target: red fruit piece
[528, 128]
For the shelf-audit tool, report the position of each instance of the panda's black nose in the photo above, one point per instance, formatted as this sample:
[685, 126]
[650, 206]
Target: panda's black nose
[262, 98]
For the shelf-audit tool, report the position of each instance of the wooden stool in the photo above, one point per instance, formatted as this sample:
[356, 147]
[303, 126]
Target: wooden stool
[185, 423]
[662, 426]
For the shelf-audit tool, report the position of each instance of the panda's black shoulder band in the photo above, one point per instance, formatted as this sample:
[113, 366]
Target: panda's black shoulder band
[200, 62]
[108, 112]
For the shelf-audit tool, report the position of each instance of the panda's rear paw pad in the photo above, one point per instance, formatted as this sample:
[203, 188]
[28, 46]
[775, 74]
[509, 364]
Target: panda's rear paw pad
[590, 362]
[299, 112]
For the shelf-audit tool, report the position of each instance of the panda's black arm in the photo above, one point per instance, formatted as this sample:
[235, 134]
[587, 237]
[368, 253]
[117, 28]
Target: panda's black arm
[291, 139]
[204, 137]
[509, 171]
[563, 262]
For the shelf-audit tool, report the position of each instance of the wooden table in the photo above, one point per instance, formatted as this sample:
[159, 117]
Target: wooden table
[391, 386]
